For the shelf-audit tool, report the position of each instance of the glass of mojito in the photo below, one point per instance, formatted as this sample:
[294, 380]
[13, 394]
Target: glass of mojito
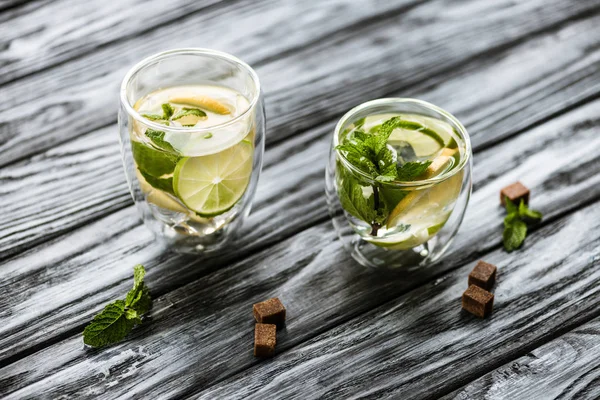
[192, 130]
[398, 181]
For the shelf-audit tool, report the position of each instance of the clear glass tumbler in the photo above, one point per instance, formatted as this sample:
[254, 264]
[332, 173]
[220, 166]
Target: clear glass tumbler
[192, 133]
[398, 181]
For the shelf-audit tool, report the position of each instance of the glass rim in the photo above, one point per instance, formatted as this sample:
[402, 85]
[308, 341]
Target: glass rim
[403, 100]
[189, 50]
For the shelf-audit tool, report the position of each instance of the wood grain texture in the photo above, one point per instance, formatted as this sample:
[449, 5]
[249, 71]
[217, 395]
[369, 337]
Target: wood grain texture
[565, 368]
[421, 344]
[67, 29]
[89, 84]
[93, 189]
[48, 34]
[309, 269]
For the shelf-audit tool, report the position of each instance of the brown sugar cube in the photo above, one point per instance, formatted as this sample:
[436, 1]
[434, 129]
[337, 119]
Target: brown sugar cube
[515, 193]
[269, 311]
[483, 275]
[265, 337]
[478, 301]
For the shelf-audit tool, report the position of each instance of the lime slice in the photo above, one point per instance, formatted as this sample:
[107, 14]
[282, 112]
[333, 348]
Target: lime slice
[423, 144]
[205, 102]
[441, 192]
[212, 184]
[406, 242]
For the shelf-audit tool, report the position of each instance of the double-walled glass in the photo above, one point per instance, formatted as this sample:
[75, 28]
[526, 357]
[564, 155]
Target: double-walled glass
[387, 222]
[193, 166]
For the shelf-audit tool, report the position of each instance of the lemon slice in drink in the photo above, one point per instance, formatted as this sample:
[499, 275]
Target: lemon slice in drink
[423, 144]
[212, 184]
[205, 102]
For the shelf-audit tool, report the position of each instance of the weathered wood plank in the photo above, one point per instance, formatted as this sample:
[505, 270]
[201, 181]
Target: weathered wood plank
[306, 270]
[92, 189]
[66, 29]
[55, 32]
[9, 8]
[566, 368]
[81, 94]
[422, 343]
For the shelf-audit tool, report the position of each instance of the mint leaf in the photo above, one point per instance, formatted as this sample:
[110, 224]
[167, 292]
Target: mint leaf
[411, 170]
[511, 208]
[138, 298]
[167, 111]
[158, 138]
[164, 184]
[153, 117]
[151, 161]
[110, 326]
[526, 213]
[353, 200]
[189, 111]
[514, 234]
[119, 317]
[356, 155]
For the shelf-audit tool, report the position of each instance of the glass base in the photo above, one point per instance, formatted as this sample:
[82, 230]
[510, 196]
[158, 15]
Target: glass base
[369, 255]
[181, 241]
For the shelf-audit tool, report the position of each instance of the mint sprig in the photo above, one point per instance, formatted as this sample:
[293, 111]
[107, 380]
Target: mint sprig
[369, 153]
[515, 226]
[118, 318]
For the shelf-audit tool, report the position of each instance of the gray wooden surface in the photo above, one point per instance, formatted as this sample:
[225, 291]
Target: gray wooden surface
[523, 76]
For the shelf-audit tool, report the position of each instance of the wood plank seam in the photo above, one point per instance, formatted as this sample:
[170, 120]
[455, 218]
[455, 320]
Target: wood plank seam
[13, 4]
[549, 337]
[374, 20]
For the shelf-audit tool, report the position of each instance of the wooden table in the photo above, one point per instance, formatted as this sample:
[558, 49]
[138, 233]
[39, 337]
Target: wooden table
[523, 76]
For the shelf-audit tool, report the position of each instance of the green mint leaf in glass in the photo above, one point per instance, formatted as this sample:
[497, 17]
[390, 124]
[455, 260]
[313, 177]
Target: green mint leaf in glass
[359, 122]
[108, 327]
[158, 139]
[164, 184]
[411, 170]
[184, 112]
[356, 157]
[353, 198]
[119, 317]
[514, 233]
[385, 178]
[153, 162]
[526, 213]
[167, 111]
[153, 117]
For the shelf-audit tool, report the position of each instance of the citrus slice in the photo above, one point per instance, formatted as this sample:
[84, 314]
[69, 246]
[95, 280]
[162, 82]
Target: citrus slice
[212, 184]
[439, 164]
[424, 142]
[204, 102]
[406, 242]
